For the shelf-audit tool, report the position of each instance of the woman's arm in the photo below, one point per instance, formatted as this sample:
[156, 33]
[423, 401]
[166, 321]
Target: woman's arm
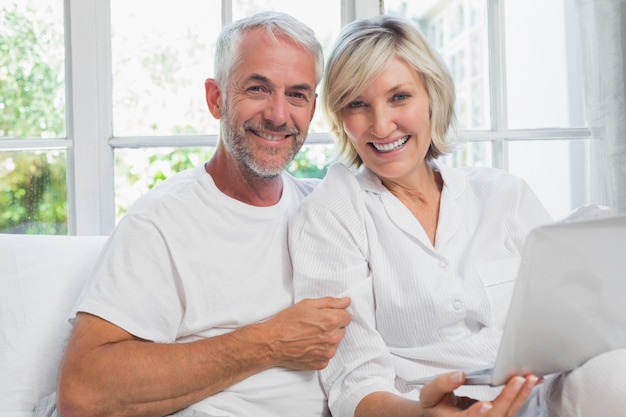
[330, 255]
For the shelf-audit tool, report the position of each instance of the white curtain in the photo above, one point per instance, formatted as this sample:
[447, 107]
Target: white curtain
[603, 27]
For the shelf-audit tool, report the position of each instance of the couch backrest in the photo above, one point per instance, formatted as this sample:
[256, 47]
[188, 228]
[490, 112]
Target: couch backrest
[41, 276]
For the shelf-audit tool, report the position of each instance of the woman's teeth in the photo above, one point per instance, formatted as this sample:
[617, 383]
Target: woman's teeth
[388, 147]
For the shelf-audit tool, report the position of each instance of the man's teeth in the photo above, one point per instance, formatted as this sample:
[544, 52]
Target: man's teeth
[270, 137]
[388, 147]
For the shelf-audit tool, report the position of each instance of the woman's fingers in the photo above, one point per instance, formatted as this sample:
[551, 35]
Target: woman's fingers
[441, 389]
[513, 396]
[437, 397]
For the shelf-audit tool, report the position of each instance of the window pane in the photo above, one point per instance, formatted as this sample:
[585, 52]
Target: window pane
[470, 154]
[33, 192]
[458, 31]
[32, 96]
[162, 52]
[543, 64]
[312, 161]
[556, 170]
[323, 16]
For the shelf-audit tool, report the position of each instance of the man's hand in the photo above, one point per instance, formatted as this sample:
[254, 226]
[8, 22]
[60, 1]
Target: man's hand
[306, 335]
[437, 398]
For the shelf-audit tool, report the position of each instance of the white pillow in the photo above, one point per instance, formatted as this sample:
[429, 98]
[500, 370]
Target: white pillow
[40, 279]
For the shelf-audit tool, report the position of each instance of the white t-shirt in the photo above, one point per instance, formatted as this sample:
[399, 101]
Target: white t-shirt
[418, 310]
[188, 262]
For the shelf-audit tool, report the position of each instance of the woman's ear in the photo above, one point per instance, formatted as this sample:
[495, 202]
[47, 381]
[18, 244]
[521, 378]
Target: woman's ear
[213, 97]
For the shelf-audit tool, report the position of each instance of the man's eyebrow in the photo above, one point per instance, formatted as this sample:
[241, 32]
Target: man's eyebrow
[259, 77]
[264, 79]
[304, 86]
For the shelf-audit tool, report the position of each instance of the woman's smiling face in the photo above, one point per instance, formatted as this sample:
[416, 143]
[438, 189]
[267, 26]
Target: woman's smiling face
[389, 122]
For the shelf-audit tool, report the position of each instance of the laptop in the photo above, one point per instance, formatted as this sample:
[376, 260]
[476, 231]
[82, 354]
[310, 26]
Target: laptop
[568, 304]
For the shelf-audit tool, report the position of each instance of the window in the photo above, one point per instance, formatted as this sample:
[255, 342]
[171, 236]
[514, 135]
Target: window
[100, 100]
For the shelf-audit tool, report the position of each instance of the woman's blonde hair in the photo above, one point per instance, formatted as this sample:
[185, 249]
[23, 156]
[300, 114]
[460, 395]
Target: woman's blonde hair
[360, 54]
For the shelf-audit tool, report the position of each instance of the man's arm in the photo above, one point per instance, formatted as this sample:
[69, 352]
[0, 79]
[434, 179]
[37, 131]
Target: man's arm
[108, 371]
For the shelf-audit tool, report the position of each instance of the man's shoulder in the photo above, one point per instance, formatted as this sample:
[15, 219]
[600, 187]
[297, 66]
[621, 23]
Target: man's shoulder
[167, 189]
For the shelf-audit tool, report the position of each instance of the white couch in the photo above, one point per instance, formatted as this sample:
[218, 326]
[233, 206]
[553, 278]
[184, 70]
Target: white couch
[40, 278]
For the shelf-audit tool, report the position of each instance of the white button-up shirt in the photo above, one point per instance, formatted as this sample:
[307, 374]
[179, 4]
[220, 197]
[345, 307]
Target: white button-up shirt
[418, 310]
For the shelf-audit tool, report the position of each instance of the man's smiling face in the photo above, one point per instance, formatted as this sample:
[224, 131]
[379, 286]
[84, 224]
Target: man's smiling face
[270, 103]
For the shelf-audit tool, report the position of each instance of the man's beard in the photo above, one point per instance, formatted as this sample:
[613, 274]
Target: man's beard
[233, 137]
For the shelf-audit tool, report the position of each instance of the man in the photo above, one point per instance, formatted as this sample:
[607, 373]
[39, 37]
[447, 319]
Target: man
[190, 305]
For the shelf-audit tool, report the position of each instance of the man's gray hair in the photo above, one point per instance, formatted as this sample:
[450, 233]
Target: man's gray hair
[228, 53]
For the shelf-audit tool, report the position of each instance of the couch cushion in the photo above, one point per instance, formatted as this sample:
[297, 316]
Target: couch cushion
[40, 279]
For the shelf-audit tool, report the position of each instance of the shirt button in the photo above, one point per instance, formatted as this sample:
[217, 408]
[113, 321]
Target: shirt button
[443, 263]
[458, 304]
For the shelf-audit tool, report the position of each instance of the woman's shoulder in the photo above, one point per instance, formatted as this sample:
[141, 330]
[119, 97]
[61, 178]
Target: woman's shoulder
[487, 177]
[481, 173]
[338, 190]
[340, 172]
[338, 181]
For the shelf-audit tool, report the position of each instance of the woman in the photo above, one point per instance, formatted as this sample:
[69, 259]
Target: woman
[428, 254]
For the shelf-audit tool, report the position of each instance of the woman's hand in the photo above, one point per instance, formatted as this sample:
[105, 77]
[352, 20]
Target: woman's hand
[437, 398]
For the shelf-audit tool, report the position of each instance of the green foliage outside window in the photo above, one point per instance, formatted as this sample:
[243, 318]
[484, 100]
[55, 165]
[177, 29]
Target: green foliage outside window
[33, 193]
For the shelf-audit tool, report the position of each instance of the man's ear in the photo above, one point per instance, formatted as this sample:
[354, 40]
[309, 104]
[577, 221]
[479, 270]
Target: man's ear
[213, 97]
